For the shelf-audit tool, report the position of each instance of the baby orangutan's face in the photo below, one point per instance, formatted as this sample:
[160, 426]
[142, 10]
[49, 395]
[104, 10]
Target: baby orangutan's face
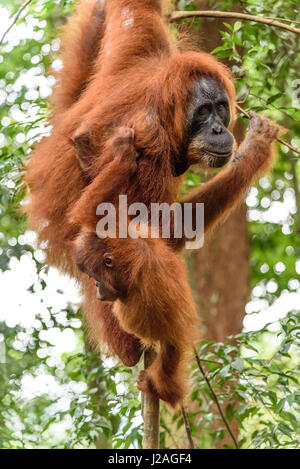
[104, 276]
[94, 259]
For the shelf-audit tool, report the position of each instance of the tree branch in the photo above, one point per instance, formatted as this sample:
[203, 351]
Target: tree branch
[15, 19]
[246, 114]
[150, 410]
[187, 428]
[215, 399]
[282, 19]
[180, 15]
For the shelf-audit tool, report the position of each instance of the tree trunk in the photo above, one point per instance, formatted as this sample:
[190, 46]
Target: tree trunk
[150, 410]
[220, 276]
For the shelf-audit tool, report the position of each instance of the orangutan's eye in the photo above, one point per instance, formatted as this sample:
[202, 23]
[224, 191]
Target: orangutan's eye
[108, 260]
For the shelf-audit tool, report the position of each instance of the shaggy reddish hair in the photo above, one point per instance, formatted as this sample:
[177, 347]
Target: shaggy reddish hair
[156, 305]
[112, 76]
[121, 69]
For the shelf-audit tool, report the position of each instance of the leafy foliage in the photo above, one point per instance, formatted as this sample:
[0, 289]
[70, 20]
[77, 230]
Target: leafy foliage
[257, 387]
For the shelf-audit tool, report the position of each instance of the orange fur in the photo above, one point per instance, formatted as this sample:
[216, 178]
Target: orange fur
[154, 304]
[81, 41]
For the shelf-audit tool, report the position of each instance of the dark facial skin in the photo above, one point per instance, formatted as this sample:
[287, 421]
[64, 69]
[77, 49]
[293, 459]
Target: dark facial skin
[106, 279]
[209, 141]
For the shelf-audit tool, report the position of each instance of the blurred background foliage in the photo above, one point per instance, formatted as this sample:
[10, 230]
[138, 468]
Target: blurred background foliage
[53, 396]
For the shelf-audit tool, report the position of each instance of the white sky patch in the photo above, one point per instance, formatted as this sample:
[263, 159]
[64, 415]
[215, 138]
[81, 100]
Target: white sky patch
[287, 302]
[19, 32]
[20, 306]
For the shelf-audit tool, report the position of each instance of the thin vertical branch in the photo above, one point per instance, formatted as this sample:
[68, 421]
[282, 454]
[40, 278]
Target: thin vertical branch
[215, 399]
[150, 411]
[187, 428]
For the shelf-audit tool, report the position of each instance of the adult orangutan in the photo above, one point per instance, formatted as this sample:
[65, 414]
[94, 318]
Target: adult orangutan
[121, 69]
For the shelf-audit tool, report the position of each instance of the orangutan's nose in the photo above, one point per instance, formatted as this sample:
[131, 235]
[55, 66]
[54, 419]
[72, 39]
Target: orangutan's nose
[98, 291]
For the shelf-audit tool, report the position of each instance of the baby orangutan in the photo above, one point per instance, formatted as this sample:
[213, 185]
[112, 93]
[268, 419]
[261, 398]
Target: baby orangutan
[148, 284]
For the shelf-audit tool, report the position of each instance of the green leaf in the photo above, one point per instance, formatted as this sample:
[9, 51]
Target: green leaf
[224, 371]
[238, 364]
